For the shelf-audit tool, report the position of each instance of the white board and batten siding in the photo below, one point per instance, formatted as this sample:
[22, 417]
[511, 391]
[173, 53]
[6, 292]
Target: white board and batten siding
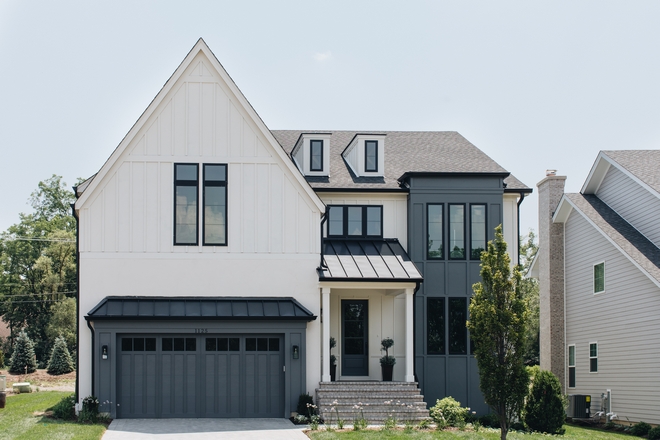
[637, 205]
[623, 320]
[126, 221]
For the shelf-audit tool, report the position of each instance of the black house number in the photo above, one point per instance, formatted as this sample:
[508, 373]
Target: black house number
[201, 330]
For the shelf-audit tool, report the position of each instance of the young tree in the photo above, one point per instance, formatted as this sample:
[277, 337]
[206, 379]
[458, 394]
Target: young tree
[498, 314]
[530, 291]
[60, 360]
[23, 359]
[62, 322]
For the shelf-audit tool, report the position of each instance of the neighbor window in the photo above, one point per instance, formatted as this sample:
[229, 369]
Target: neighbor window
[435, 326]
[215, 204]
[593, 357]
[599, 277]
[355, 221]
[477, 231]
[434, 231]
[571, 366]
[316, 156]
[371, 156]
[457, 327]
[185, 201]
[456, 232]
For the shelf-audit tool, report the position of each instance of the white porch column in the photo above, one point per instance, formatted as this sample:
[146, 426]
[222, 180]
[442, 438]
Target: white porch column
[410, 354]
[325, 317]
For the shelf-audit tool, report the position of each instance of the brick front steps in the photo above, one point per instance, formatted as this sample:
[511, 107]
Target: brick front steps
[379, 400]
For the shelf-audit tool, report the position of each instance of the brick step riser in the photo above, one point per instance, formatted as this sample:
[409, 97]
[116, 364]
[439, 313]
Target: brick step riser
[370, 396]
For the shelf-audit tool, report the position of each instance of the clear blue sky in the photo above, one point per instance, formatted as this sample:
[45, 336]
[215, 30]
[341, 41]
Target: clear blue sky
[535, 85]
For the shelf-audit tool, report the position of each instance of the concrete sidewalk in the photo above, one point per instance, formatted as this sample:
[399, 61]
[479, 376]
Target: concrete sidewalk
[198, 429]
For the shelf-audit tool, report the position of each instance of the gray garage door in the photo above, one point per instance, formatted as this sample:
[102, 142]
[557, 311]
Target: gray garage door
[200, 376]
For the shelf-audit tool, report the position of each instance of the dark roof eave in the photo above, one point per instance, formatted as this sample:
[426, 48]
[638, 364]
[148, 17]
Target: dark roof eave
[373, 280]
[518, 190]
[459, 174]
[361, 189]
[199, 318]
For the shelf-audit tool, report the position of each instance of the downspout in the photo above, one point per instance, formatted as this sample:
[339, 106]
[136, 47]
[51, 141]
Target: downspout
[323, 220]
[522, 197]
[93, 355]
[75, 215]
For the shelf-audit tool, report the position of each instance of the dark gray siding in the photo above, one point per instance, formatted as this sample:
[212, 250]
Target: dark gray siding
[448, 375]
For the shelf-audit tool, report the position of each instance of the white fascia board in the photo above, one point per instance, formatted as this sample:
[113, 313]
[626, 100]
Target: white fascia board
[563, 210]
[607, 237]
[200, 46]
[533, 271]
[598, 171]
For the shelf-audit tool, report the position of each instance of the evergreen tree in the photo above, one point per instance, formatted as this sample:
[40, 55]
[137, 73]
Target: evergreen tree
[60, 360]
[545, 408]
[23, 359]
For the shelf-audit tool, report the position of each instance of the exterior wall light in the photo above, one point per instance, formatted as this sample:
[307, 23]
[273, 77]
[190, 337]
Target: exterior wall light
[295, 352]
[104, 352]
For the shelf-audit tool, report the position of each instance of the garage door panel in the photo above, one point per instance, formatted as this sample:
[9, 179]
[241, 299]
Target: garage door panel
[166, 384]
[275, 382]
[150, 385]
[190, 390]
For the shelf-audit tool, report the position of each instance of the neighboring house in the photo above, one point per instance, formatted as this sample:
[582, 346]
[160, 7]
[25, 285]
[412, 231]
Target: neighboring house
[217, 257]
[599, 270]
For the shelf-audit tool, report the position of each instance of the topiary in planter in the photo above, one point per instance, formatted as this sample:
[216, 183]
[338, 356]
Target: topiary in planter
[60, 360]
[23, 360]
[544, 410]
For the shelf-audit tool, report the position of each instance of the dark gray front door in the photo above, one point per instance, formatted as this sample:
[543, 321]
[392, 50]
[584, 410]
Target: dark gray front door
[355, 337]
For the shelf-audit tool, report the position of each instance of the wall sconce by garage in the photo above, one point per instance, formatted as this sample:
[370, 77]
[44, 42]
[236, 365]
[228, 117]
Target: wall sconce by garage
[295, 352]
[104, 352]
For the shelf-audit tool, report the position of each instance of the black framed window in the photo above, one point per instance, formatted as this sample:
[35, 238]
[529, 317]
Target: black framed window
[434, 231]
[179, 344]
[215, 205]
[316, 155]
[435, 326]
[599, 277]
[355, 221]
[593, 357]
[456, 232]
[457, 327]
[571, 366]
[186, 214]
[371, 156]
[477, 231]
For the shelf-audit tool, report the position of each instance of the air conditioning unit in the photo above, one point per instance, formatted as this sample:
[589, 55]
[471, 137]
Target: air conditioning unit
[579, 406]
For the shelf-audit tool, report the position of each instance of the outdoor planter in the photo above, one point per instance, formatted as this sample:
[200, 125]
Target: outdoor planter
[22, 387]
[387, 362]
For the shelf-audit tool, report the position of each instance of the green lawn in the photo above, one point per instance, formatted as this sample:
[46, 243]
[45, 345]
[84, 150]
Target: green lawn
[572, 433]
[20, 419]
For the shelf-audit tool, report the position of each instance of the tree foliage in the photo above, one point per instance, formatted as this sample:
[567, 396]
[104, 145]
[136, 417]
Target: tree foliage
[23, 359]
[62, 322]
[530, 291]
[60, 361]
[545, 407]
[498, 315]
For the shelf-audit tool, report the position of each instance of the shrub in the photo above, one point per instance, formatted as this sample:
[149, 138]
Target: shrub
[490, 421]
[305, 402]
[533, 371]
[544, 411]
[60, 360]
[2, 359]
[654, 434]
[23, 359]
[448, 412]
[640, 429]
[90, 410]
[65, 409]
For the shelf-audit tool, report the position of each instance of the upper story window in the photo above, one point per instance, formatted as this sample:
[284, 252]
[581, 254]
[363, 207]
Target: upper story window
[371, 156]
[599, 278]
[355, 221]
[316, 155]
[434, 231]
[477, 231]
[593, 357]
[452, 230]
[571, 366]
[186, 209]
[456, 232]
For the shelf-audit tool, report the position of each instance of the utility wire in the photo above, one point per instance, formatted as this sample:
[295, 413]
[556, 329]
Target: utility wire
[56, 240]
[34, 294]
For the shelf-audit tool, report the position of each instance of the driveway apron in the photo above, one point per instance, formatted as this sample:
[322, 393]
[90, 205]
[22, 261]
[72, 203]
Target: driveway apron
[202, 429]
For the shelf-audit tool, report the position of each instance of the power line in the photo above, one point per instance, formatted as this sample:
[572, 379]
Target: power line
[55, 240]
[5, 296]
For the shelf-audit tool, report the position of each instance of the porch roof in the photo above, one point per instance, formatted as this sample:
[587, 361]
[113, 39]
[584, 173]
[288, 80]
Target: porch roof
[366, 260]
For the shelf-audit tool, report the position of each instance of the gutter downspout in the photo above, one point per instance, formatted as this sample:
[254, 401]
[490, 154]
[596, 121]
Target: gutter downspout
[324, 218]
[73, 211]
[93, 355]
[522, 197]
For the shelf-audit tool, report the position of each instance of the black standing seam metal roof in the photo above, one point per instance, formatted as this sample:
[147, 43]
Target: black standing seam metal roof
[367, 260]
[199, 308]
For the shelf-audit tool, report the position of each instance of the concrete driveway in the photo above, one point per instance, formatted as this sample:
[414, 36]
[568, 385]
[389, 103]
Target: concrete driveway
[198, 429]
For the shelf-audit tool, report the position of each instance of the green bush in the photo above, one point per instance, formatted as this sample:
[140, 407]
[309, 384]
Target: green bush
[90, 410]
[23, 360]
[305, 405]
[544, 410]
[654, 434]
[490, 421]
[448, 412]
[60, 360]
[65, 409]
[640, 429]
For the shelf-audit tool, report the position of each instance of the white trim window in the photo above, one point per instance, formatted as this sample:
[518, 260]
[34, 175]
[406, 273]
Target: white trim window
[571, 366]
[599, 277]
[593, 357]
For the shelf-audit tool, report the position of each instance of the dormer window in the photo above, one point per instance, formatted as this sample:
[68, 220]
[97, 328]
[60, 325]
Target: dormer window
[355, 221]
[316, 155]
[371, 156]
[312, 154]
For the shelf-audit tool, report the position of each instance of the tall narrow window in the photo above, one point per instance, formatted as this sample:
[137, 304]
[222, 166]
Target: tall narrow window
[456, 232]
[435, 326]
[593, 357]
[215, 205]
[374, 221]
[316, 156]
[185, 204]
[371, 156]
[599, 277]
[355, 220]
[434, 231]
[571, 366]
[336, 221]
[477, 231]
[457, 328]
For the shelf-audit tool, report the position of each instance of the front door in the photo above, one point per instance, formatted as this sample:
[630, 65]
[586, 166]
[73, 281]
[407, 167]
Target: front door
[355, 345]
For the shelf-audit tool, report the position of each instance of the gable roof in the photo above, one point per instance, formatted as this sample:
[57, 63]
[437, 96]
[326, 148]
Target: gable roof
[405, 152]
[628, 240]
[640, 165]
[241, 101]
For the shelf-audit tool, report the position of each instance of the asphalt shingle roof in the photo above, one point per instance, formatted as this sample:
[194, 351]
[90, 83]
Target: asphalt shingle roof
[639, 248]
[643, 164]
[405, 152]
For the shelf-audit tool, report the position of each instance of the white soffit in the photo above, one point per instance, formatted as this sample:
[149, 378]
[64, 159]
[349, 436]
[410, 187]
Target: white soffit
[563, 211]
[598, 171]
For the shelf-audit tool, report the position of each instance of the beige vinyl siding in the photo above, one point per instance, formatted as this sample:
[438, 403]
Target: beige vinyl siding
[635, 204]
[623, 321]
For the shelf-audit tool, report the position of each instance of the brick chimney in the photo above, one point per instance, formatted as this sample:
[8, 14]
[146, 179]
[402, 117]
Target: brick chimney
[551, 277]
